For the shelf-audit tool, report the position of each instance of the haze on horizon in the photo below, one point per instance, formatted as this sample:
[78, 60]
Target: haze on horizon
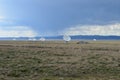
[29, 18]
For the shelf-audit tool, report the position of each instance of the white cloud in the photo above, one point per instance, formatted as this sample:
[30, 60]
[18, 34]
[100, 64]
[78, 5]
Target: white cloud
[111, 29]
[17, 31]
[14, 31]
[2, 19]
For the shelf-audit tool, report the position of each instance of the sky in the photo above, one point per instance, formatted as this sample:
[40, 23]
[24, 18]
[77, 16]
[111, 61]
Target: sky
[30, 18]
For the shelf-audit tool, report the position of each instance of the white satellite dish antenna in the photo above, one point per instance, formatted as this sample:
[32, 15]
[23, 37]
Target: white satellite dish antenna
[34, 39]
[29, 39]
[14, 39]
[66, 38]
[94, 40]
[42, 39]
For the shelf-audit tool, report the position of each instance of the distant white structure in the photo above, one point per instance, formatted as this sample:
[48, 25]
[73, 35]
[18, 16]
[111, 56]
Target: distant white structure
[66, 38]
[31, 39]
[94, 40]
[34, 39]
[14, 39]
[42, 39]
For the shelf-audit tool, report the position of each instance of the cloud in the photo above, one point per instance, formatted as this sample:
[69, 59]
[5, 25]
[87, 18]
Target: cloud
[14, 31]
[17, 31]
[2, 18]
[110, 29]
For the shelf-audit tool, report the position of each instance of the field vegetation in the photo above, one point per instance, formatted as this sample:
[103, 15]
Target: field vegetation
[55, 60]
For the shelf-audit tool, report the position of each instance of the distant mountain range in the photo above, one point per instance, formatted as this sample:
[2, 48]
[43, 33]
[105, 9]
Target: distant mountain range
[77, 37]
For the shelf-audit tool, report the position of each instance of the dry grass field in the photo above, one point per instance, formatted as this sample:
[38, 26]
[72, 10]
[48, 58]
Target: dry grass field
[55, 60]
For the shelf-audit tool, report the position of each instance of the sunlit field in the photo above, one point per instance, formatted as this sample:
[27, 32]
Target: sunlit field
[57, 60]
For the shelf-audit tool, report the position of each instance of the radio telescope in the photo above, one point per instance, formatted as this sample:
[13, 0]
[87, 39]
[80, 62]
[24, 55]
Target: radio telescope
[30, 39]
[42, 39]
[66, 38]
[94, 40]
[14, 39]
[34, 39]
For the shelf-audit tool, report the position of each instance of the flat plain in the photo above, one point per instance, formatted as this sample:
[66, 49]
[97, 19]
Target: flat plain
[56, 60]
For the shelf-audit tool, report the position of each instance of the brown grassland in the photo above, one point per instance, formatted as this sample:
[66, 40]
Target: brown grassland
[55, 60]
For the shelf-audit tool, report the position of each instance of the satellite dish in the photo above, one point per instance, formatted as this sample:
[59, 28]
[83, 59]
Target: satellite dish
[66, 38]
[34, 39]
[14, 39]
[42, 39]
[94, 40]
[29, 39]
